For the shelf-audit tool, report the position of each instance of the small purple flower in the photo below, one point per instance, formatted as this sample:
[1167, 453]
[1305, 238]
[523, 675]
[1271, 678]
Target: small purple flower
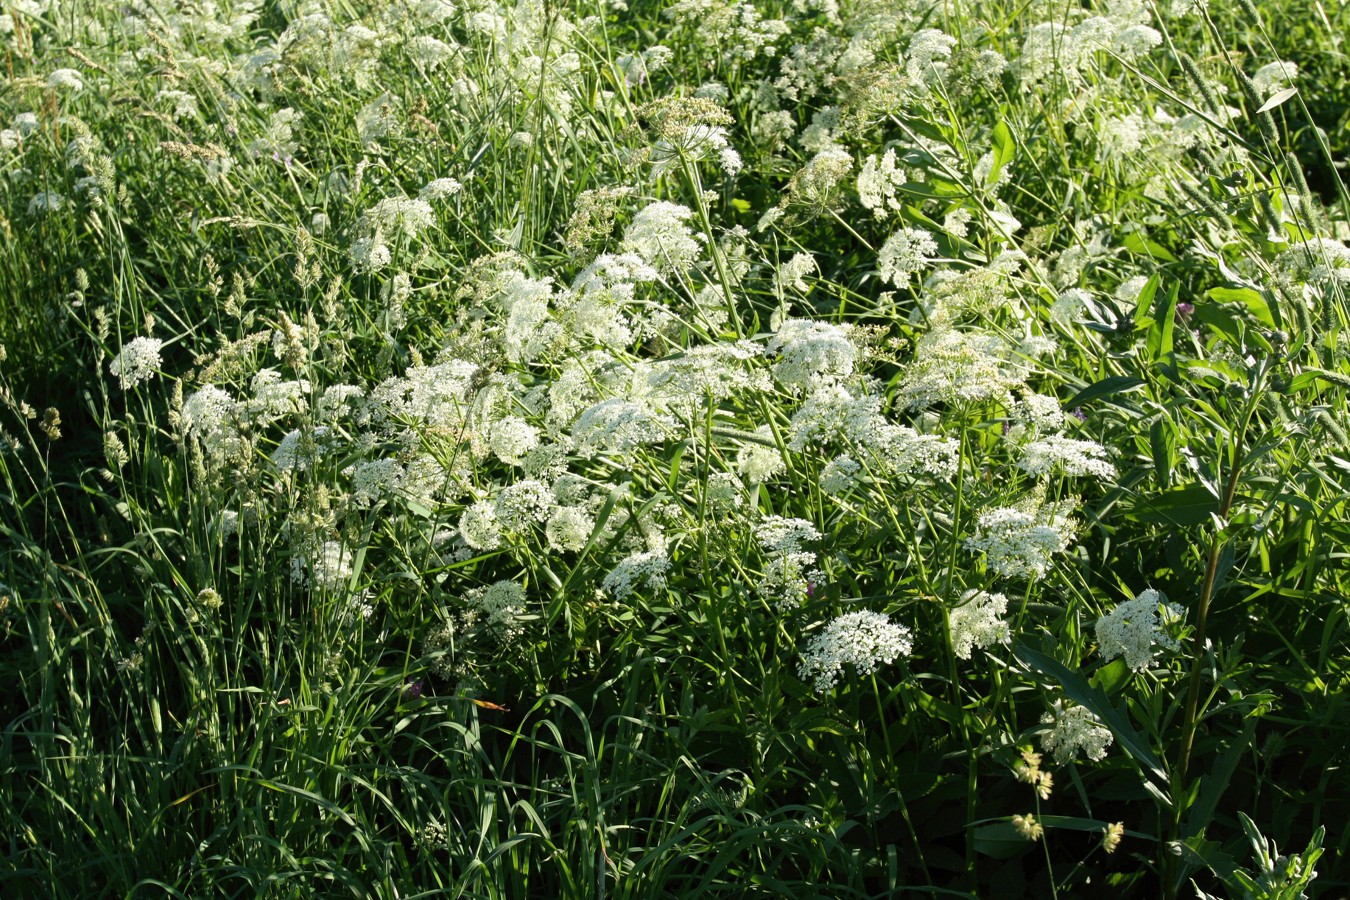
[1079, 414]
[413, 689]
[1184, 311]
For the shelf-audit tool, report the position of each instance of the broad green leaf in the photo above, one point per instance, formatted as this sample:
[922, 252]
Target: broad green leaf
[1004, 148]
[1164, 322]
[1252, 299]
[1116, 384]
[1188, 504]
[1135, 242]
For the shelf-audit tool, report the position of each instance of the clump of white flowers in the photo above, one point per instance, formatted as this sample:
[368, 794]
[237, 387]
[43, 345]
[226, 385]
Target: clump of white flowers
[1274, 77]
[978, 622]
[839, 474]
[865, 639]
[1071, 458]
[500, 605]
[66, 80]
[138, 361]
[1135, 629]
[569, 528]
[789, 568]
[619, 426]
[479, 528]
[659, 236]
[1074, 729]
[811, 353]
[647, 569]
[905, 253]
[329, 569]
[953, 367]
[1019, 542]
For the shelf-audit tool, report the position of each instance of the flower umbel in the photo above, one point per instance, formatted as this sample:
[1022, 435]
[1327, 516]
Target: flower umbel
[864, 639]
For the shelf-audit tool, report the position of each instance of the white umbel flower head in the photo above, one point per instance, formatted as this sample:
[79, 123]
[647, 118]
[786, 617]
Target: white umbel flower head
[66, 80]
[906, 252]
[1074, 729]
[977, 622]
[138, 361]
[479, 528]
[329, 570]
[659, 235]
[1018, 543]
[1068, 457]
[864, 639]
[811, 353]
[1134, 629]
[647, 569]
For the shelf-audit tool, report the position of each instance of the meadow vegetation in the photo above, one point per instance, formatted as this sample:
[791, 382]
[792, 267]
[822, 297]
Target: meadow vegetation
[843, 448]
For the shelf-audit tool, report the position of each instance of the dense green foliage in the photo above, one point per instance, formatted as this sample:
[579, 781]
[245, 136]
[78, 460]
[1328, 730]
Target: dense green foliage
[728, 448]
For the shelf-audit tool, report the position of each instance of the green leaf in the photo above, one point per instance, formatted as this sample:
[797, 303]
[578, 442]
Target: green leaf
[1004, 149]
[1144, 305]
[1000, 840]
[1135, 242]
[1077, 688]
[1276, 99]
[1112, 677]
[1116, 384]
[1198, 852]
[1252, 299]
[1159, 435]
[1189, 504]
[1164, 322]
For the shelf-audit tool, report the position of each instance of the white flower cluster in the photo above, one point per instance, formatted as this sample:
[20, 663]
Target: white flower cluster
[839, 474]
[761, 459]
[619, 426]
[792, 274]
[811, 353]
[647, 569]
[328, 570]
[569, 529]
[789, 570]
[1274, 77]
[1313, 265]
[1071, 458]
[978, 622]
[66, 80]
[953, 366]
[659, 236]
[1039, 413]
[865, 640]
[905, 253]
[1136, 627]
[138, 361]
[1018, 543]
[479, 528]
[1054, 49]
[877, 183]
[397, 219]
[780, 534]
[1074, 729]
[501, 605]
